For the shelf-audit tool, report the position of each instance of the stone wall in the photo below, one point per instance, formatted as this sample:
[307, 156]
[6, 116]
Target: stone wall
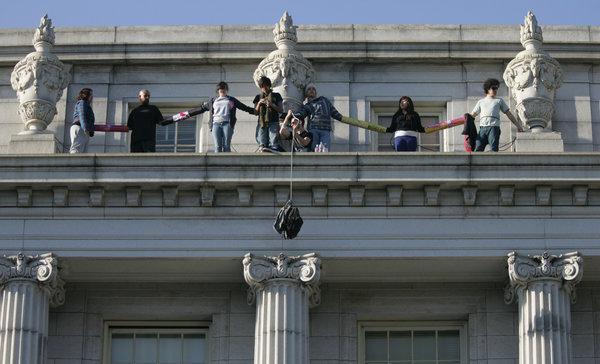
[76, 329]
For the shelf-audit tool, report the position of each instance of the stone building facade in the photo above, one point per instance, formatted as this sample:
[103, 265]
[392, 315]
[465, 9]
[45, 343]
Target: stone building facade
[432, 257]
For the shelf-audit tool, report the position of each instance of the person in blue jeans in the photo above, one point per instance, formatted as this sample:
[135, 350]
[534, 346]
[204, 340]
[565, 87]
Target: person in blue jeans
[222, 118]
[406, 126]
[488, 110]
[319, 111]
[268, 104]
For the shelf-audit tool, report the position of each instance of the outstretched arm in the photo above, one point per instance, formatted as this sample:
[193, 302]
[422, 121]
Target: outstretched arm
[512, 118]
[240, 105]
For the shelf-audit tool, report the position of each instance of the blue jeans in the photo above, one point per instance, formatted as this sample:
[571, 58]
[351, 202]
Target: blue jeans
[222, 133]
[269, 136]
[405, 143]
[488, 135]
[320, 136]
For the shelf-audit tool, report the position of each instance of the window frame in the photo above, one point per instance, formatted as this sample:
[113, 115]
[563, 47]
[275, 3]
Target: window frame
[183, 327]
[374, 326]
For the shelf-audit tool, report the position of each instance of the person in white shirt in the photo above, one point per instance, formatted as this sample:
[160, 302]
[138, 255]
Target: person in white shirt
[488, 110]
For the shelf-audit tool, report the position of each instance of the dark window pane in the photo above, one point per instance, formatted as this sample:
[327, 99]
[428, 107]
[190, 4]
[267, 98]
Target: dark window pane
[121, 347]
[424, 345]
[448, 345]
[376, 346]
[400, 346]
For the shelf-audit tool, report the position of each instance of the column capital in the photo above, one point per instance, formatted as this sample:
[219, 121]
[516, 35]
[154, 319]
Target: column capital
[305, 270]
[42, 269]
[523, 270]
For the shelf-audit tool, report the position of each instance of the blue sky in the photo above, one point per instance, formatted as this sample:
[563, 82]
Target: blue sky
[26, 13]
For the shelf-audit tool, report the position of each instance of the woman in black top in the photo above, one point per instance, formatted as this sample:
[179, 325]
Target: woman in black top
[406, 124]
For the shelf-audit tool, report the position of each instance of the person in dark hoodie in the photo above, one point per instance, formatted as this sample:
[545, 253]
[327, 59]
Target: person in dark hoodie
[83, 122]
[142, 122]
[406, 126]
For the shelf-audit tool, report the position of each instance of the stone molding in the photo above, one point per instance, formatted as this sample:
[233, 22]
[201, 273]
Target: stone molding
[42, 269]
[522, 271]
[305, 270]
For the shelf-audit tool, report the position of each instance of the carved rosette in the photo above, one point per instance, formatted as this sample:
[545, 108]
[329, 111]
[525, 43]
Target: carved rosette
[41, 269]
[39, 80]
[533, 78]
[523, 271]
[305, 270]
[287, 69]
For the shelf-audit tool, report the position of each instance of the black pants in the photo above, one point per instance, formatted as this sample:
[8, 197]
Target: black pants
[143, 146]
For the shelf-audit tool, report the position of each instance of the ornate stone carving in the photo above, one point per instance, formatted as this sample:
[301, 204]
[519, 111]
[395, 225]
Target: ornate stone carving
[533, 77]
[287, 69]
[306, 269]
[42, 269]
[39, 80]
[522, 271]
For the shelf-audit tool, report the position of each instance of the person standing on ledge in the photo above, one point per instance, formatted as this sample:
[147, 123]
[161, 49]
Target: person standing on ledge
[222, 119]
[319, 111]
[406, 126]
[142, 123]
[488, 110]
[83, 122]
[268, 105]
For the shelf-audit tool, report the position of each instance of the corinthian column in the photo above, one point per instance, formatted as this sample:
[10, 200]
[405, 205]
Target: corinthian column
[284, 288]
[29, 285]
[544, 287]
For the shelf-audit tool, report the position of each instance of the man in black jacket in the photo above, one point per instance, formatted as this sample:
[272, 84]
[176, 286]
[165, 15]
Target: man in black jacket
[142, 123]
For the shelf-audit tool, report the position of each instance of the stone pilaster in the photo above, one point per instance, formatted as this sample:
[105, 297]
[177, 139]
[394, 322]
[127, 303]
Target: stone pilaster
[30, 284]
[544, 287]
[284, 288]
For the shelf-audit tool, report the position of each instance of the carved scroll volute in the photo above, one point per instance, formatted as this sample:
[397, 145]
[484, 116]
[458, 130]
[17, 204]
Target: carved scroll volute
[305, 270]
[39, 80]
[287, 69]
[533, 78]
[523, 271]
[41, 269]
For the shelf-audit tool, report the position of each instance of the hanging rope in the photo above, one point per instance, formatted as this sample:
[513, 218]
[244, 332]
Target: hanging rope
[288, 221]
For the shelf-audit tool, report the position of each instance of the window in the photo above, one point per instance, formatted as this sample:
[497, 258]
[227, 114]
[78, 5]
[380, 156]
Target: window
[140, 345]
[412, 344]
[426, 142]
[177, 137]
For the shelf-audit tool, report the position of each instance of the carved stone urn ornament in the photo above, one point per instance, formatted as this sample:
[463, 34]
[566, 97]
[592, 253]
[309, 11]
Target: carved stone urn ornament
[533, 77]
[287, 69]
[39, 80]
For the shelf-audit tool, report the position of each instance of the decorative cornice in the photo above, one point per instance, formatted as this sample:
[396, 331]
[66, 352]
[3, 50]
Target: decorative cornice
[565, 268]
[304, 269]
[41, 269]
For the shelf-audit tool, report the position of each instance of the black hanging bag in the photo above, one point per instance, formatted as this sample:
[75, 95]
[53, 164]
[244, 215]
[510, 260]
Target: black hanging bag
[288, 221]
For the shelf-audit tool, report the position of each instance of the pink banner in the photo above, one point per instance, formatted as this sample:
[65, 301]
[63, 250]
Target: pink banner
[110, 128]
[445, 124]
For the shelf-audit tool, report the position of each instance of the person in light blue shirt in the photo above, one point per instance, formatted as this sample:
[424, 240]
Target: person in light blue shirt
[488, 110]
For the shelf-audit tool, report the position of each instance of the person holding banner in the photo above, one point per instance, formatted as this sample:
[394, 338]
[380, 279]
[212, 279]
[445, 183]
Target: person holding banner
[406, 126]
[319, 111]
[142, 123]
[489, 120]
[82, 128]
[222, 119]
